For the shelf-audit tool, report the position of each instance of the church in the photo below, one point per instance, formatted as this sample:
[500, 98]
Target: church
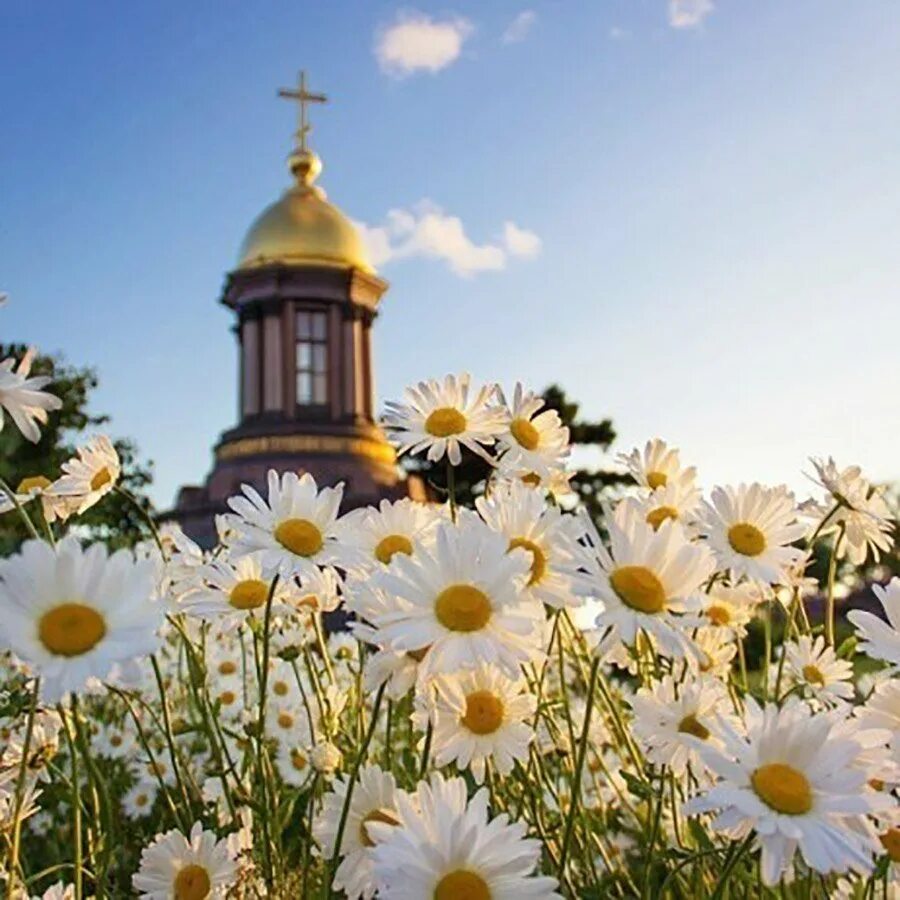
[304, 297]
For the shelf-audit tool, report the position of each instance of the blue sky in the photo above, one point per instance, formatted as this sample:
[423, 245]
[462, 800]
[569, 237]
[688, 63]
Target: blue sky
[717, 206]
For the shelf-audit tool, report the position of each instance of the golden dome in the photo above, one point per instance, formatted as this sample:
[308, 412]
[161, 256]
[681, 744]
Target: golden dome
[303, 228]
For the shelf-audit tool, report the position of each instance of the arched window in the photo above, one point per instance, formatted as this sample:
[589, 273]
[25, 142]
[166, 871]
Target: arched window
[312, 357]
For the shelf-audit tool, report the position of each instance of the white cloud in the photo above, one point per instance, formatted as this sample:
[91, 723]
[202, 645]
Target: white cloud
[416, 43]
[427, 232]
[518, 29]
[689, 13]
[520, 241]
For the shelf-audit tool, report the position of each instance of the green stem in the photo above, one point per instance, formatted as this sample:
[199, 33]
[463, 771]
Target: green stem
[654, 833]
[76, 807]
[20, 789]
[357, 765]
[732, 861]
[579, 767]
[426, 750]
[170, 738]
[19, 509]
[832, 572]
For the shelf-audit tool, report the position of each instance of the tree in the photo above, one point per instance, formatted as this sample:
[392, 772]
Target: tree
[590, 485]
[114, 519]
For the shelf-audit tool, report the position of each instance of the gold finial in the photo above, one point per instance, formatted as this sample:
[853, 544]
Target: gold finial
[304, 98]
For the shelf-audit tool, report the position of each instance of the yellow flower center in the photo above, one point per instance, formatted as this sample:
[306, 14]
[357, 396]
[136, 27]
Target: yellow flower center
[638, 588]
[227, 667]
[462, 607]
[377, 815]
[115, 741]
[445, 422]
[532, 479]
[249, 594]
[280, 688]
[34, 482]
[192, 883]
[525, 433]
[141, 800]
[393, 543]
[227, 697]
[719, 615]
[691, 725]
[101, 479]
[538, 558]
[484, 712]
[657, 480]
[890, 840]
[285, 720]
[746, 539]
[298, 760]
[657, 516]
[813, 674]
[300, 536]
[783, 788]
[462, 885]
[71, 629]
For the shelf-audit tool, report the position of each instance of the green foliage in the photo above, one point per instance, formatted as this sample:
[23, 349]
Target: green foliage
[113, 519]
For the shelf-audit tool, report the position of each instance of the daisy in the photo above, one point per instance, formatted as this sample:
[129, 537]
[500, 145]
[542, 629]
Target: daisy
[880, 639]
[374, 800]
[138, 801]
[90, 475]
[24, 398]
[447, 848]
[74, 614]
[293, 763]
[657, 466]
[462, 602]
[750, 529]
[882, 711]
[556, 482]
[232, 591]
[791, 777]
[532, 440]
[482, 715]
[442, 417]
[677, 501]
[730, 607]
[186, 869]
[295, 531]
[863, 514]
[670, 720]
[815, 666]
[378, 535]
[646, 579]
[545, 533]
[37, 486]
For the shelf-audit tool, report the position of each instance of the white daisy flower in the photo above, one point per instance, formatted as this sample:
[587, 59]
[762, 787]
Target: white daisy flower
[646, 579]
[882, 711]
[730, 607]
[864, 514]
[442, 417]
[446, 848]
[481, 715]
[671, 718]
[194, 868]
[23, 398]
[58, 891]
[676, 500]
[657, 465]
[233, 590]
[880, 639]
[531, 440]
[379, 534]
[293, 762]
[295, 531]
[750, 529]
[462, 601]
[556, 483]
[815, 666]
[792, 778]
[90, 475]
[374, 800]
[548, 535]
[34, 487]
[138, 801]
[74, 615]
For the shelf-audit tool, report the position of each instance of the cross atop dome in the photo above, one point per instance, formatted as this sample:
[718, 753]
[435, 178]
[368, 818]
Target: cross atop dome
[304, 98]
